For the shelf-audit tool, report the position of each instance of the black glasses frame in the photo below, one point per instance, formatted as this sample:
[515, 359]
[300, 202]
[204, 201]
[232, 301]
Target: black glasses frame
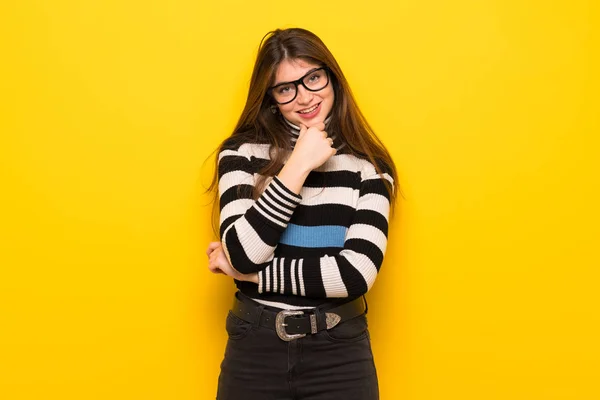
[300, 82]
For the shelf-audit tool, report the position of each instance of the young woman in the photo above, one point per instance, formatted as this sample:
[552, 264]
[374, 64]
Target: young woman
[305, 190]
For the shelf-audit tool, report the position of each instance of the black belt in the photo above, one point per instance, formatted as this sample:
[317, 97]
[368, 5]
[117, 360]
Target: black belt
[293, 324]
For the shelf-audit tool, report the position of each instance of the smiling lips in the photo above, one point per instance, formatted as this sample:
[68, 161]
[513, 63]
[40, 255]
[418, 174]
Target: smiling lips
[310, 112]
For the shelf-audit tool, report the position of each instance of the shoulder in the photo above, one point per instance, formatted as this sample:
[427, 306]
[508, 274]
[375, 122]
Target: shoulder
[245, 150]
[369, 171]
[367, 168]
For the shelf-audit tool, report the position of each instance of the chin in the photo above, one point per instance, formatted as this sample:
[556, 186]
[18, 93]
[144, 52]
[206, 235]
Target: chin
[317, 121]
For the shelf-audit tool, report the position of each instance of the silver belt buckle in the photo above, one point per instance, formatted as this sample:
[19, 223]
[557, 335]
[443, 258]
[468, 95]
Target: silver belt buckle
[280, 325]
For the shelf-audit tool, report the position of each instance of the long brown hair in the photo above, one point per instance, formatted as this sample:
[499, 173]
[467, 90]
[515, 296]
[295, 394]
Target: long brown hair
[258, 124]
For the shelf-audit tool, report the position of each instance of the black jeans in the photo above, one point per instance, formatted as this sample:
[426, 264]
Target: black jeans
[329, 365]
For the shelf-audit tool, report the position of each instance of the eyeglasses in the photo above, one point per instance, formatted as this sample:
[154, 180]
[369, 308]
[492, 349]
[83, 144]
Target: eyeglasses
[315, 80]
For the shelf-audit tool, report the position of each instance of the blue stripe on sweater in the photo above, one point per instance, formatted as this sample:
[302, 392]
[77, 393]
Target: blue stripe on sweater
[314, 236]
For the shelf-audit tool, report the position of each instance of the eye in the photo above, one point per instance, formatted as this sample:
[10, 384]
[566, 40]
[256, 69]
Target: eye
[314, 77]
[284, 89]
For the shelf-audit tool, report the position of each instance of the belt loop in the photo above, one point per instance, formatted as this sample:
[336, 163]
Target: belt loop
[320, 317]
[366, 304]
[256, 323]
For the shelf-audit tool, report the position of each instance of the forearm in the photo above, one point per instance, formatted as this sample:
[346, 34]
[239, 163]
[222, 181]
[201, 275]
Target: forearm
[293, 175]
[348, 274]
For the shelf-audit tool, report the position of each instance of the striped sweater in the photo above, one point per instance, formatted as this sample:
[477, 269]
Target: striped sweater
[324, 245]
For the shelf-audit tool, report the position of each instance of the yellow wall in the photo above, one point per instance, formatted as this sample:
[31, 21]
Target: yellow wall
[109, 108]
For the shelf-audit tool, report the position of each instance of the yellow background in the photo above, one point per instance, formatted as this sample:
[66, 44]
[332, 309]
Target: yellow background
[109, 109]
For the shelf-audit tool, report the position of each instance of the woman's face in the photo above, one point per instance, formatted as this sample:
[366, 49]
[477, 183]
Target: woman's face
[308, 108]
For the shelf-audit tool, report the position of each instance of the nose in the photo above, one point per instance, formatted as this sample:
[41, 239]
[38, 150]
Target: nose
[304, 96]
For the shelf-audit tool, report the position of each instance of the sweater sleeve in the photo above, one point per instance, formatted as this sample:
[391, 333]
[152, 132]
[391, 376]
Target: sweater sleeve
[353, 270]
[250, 229]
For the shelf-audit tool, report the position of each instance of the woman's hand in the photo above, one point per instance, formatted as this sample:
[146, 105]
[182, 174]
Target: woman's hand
[313, 148]
[219, 264]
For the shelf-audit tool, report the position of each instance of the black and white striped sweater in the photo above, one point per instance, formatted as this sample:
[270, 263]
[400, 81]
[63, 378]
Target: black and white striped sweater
[324, 245]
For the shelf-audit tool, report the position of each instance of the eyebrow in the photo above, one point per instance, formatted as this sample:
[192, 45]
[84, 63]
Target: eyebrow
[309, 72]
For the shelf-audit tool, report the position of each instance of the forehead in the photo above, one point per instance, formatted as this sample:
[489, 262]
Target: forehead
[290, 70]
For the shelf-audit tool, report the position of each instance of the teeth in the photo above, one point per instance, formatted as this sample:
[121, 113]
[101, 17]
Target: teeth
[309, 110]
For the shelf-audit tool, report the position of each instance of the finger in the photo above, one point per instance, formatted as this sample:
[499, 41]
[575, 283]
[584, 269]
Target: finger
[303, 128]
[330, 141]
[320, 126]
[324, 134]
[212, 246]
[214, 266]
[216, 270]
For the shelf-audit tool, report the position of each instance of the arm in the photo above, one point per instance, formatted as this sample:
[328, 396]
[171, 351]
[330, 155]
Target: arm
[250, 230]
[350, 273]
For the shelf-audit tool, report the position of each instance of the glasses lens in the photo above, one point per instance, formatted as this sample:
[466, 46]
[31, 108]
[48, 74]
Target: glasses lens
[316, 80]
[284, 93]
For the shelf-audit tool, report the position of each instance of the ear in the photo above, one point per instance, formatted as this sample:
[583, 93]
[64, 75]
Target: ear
[274, 109]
